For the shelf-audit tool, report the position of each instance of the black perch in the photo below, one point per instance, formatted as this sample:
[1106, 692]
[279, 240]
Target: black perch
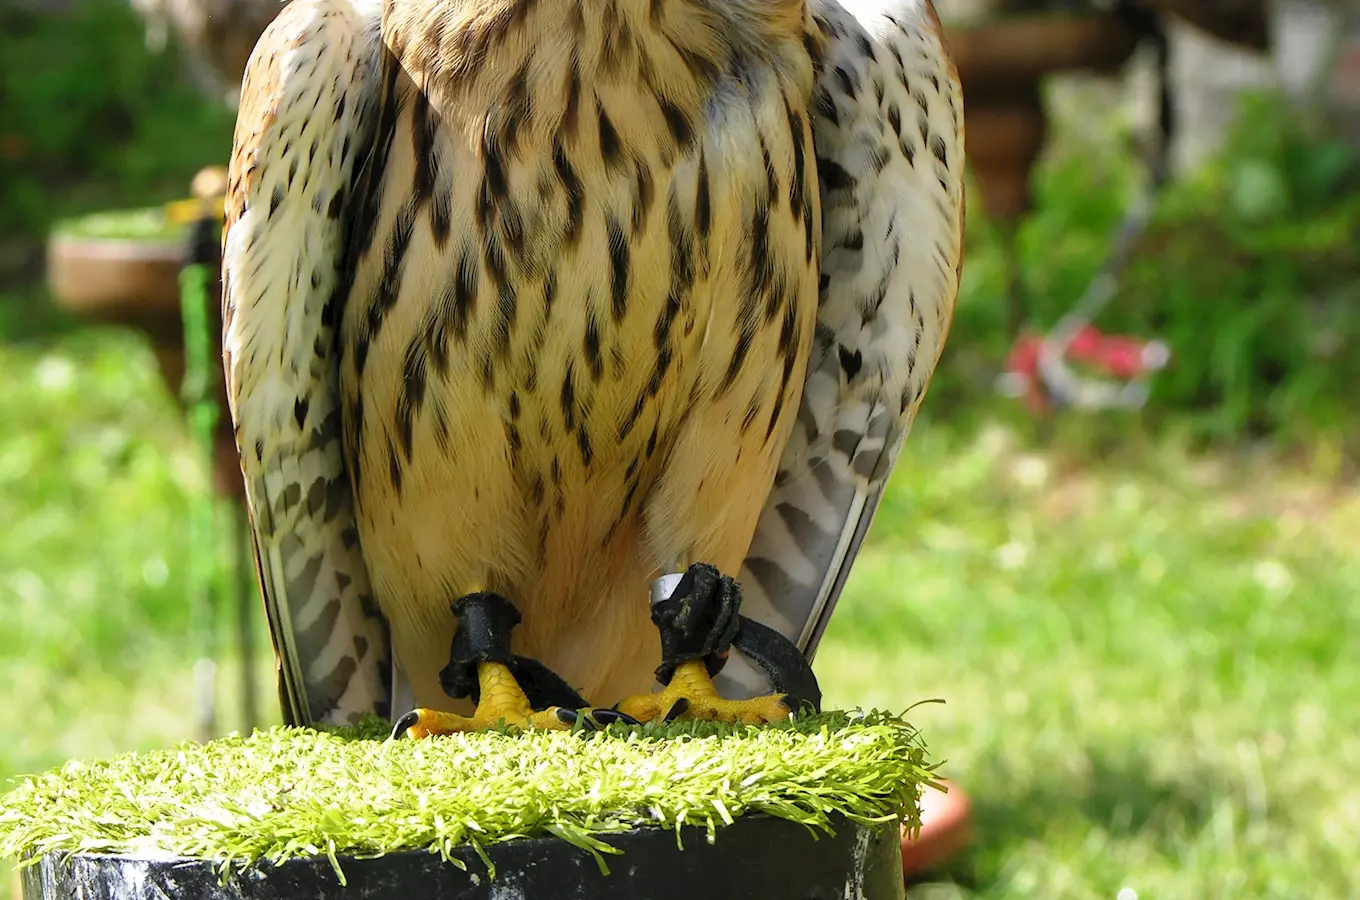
[756, 858]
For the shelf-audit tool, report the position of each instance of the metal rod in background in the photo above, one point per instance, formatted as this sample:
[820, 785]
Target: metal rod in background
[197, 392]
[246, 604]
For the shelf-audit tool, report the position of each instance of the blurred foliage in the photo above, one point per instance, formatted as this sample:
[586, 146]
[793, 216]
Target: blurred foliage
[1250, 272]
[1143, 665]
[95, 471]
[1257, 263]
[89, 117]
[92, 446]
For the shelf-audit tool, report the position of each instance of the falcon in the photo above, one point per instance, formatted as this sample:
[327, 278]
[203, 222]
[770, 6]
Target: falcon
[533, 307]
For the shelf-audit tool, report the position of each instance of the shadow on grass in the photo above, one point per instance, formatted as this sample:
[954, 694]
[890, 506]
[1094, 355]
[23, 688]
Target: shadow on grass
[1122, 795]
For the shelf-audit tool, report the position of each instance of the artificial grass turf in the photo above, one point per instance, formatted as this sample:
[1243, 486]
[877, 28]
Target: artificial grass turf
[289, 792]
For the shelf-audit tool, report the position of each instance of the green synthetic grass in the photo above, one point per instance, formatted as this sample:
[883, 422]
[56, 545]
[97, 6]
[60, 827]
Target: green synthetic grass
[289, 792]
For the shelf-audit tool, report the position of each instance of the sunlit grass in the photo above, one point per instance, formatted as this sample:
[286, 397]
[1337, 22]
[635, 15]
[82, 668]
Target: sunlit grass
[94, 478]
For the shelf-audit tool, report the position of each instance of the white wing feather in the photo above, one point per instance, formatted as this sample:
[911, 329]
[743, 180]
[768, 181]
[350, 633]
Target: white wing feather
[308, 103]
[888, 129]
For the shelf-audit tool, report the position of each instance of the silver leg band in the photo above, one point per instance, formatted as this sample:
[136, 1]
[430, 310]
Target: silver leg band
[663, 587]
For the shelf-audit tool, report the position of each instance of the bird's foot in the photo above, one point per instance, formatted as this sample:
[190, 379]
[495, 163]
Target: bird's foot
[507, 689]
[691, 694]
[503, 702]
[699, 621]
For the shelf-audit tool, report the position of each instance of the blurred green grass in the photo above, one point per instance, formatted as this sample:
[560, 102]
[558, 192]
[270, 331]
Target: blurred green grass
[96, 475]
[1148, 668]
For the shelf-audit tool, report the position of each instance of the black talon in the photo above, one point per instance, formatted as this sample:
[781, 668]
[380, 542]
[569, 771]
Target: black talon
[568, 716]
[405, 722]
[678, 709]
[607, 717]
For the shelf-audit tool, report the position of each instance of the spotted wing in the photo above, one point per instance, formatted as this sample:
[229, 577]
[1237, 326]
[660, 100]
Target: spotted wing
[888, 130]
[309, 100]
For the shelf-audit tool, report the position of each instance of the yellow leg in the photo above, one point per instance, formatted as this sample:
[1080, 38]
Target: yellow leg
[502, 700]
[692, 695]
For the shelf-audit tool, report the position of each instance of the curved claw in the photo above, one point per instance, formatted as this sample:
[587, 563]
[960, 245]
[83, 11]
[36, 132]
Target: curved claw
[692, 695]
[678, 709]
[420, 723]
[404, 724]
[606, 717]
[592, 718]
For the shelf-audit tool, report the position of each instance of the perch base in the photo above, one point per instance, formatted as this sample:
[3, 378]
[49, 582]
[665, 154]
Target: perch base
[756, 858]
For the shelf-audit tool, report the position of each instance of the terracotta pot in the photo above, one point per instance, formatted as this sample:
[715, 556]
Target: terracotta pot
[994, 57]
[135, 282]
[1001, 64]
[946, 828]
[1004, 142]
[123, 281]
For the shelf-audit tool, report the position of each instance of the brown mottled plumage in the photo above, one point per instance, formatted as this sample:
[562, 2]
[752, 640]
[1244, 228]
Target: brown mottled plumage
[531, 296]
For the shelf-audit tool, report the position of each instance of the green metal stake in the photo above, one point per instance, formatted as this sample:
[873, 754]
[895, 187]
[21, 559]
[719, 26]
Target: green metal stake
[246, 607]
[197, 392]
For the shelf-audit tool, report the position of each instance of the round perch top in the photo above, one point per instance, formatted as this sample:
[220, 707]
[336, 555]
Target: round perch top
[285, 793]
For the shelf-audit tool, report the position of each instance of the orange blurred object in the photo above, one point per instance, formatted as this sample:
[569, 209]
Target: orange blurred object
[946, 828]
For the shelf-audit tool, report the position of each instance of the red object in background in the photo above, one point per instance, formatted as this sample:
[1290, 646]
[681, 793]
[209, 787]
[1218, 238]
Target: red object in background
[1116, 355]
[946, 828]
